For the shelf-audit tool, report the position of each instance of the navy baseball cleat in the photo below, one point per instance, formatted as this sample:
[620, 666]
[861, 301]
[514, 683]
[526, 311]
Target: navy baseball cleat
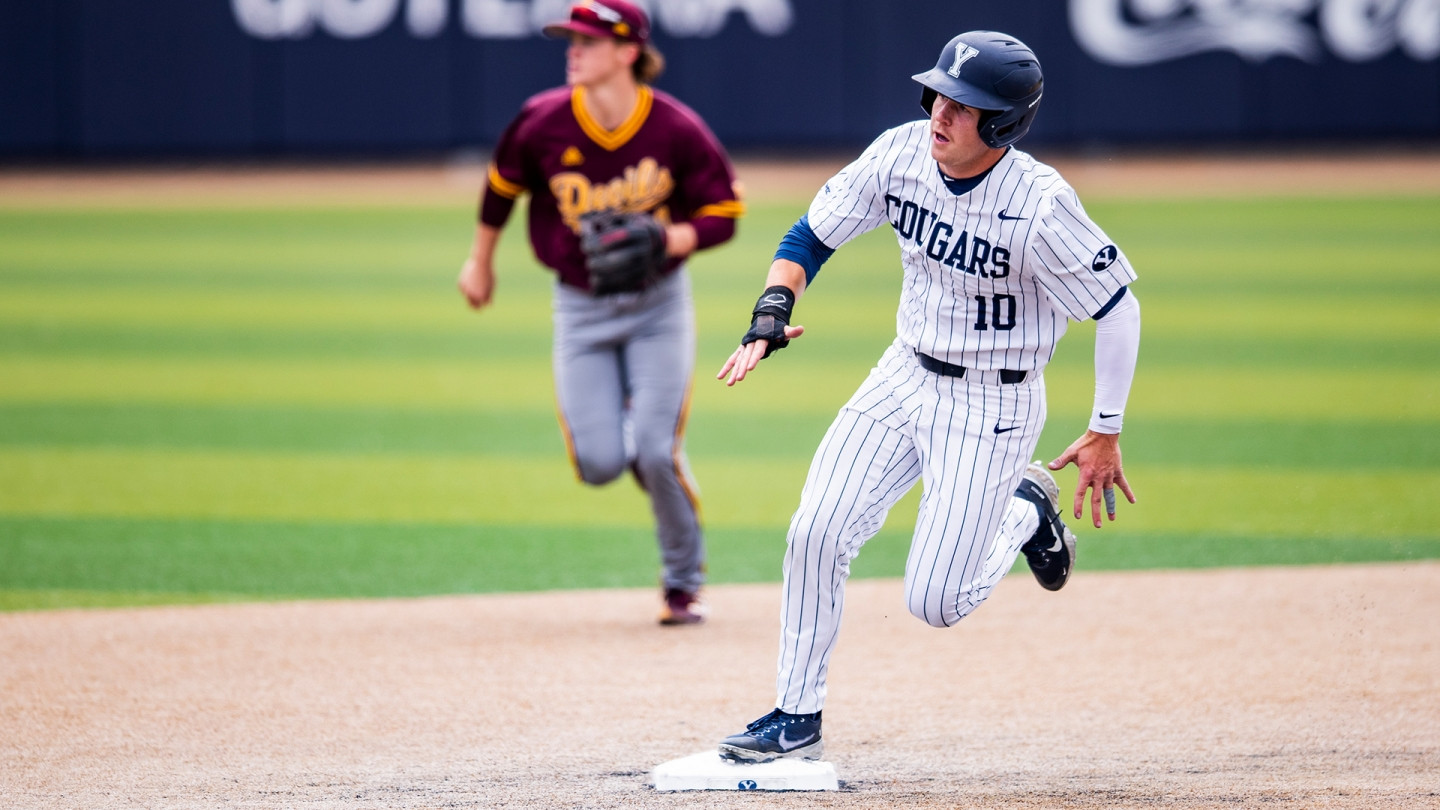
[1051, 550]
[777, 734]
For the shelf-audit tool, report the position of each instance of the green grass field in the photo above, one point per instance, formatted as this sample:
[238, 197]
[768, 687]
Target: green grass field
[208, 403]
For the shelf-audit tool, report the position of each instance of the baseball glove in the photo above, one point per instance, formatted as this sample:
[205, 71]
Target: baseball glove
[624, 251]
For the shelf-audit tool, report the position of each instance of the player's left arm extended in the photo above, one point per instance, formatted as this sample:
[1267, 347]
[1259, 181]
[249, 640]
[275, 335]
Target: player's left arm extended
[1097, 453]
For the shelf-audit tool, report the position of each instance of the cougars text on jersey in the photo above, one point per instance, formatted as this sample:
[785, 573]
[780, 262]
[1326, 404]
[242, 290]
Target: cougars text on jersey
[969, 254]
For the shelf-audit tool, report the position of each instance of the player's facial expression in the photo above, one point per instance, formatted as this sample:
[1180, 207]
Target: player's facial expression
[955, 136]
[592, 61]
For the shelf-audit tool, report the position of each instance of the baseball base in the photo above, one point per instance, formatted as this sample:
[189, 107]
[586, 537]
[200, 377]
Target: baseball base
[707, 771]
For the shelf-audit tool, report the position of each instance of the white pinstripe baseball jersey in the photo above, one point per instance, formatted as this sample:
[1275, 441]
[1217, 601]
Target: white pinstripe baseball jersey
[995, 267]
[992, 276]
[994, 270]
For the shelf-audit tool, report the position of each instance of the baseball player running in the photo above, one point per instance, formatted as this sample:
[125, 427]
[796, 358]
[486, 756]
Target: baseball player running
[998, 257]
[625, 182]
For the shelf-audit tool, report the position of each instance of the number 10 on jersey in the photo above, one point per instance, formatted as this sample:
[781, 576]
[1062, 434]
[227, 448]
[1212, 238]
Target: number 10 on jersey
[997, 311]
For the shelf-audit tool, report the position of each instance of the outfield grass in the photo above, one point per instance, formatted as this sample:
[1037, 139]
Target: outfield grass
[218, 403]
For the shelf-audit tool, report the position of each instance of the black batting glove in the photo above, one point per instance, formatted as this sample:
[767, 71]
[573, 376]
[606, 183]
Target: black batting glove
[771, 316]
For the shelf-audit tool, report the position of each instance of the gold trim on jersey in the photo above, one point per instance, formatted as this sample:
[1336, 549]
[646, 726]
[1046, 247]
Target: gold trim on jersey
[612, 139]
[734, 209]
[504, 187]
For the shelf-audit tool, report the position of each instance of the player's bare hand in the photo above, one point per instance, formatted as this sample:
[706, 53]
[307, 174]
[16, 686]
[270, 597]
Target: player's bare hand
[744, 359]
[476, 282]
[1097, 457]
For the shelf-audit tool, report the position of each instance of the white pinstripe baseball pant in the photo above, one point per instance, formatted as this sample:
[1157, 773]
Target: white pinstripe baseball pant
[969, 440]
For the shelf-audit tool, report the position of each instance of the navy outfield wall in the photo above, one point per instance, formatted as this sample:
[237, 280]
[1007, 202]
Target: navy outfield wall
[128, 78]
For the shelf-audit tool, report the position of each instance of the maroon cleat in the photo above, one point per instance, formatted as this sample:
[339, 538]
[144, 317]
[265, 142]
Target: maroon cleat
[682, 607]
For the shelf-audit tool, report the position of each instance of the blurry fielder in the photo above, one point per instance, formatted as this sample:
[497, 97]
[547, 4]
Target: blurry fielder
[625, 183]
[998, 257]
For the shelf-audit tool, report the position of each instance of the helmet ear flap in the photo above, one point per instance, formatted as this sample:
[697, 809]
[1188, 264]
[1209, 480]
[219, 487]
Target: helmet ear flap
[992, 132]
[927, 99]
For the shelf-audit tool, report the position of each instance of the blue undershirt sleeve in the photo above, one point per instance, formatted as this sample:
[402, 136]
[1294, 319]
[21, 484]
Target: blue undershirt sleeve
[802, 246]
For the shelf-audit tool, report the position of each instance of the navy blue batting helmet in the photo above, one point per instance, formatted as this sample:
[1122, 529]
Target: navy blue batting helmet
[992, 72]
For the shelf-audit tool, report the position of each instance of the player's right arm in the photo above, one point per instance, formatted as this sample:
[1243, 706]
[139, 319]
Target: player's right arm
[503, 186]
[849, 204]
[477, 275]
[785, 276]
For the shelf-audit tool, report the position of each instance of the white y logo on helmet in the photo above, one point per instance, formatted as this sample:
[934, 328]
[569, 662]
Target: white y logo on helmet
[963, 54]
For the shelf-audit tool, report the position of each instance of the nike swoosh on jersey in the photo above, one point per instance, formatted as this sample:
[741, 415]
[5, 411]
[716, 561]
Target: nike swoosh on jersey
[1104, 415]
[1004, 216]
[999, 430]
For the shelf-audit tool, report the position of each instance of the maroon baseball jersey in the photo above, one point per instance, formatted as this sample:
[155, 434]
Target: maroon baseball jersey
[662, 159]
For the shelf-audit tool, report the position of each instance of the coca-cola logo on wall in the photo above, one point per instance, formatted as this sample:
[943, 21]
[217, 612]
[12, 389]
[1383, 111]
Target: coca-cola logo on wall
[487, 19]
[1126, 33]
[1130, 33]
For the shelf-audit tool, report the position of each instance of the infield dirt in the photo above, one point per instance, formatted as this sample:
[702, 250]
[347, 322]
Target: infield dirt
[1292, 687]
[1313, 687]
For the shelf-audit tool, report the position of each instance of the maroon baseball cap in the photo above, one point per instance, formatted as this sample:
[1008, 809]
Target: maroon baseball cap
[604, 19]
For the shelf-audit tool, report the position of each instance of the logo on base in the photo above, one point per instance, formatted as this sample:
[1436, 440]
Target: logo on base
[746, 784]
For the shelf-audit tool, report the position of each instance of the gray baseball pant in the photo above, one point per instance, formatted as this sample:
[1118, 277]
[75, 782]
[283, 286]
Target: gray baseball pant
[624, 367]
